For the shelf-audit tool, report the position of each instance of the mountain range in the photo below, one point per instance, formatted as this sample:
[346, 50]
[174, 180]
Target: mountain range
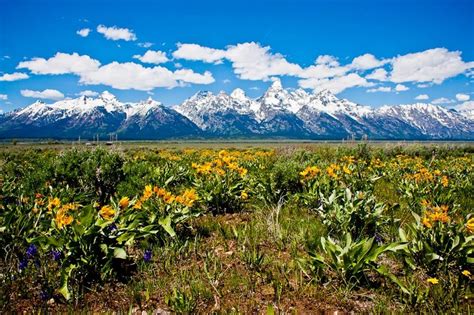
[279, 112]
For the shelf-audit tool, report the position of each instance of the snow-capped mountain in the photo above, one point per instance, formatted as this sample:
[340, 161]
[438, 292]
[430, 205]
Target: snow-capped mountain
[279, 112]
[87, 117]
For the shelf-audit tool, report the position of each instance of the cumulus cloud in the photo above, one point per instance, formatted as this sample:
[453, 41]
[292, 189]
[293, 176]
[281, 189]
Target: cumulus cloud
[155, 57]
[116, 33]
[327, 60]
[199, 53]
[401, 87]
[422, 97]
[83, 32]
[335, 85]
[88, 93]
[130, 75]
[432, 65]
[3, 97]
[442, 100]
[45, 94]
[14, 76]
[466, 106]
[61, 63]
[250, 61]
[380, 89]
[254, 62]
[462, 97]
[366, 62]
[378, 74]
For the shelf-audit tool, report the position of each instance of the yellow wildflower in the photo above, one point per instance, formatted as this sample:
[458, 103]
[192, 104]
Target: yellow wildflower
[124, 202]
[137, 205]
[467, 273]
[346, 170]
[53, 203]
[445, 181]
[470, 225]
[107, 212]
[331, 170]
[147, 193]
[244, 195]
[310, 172]
[433, 280]
[62, 218]
[169, 198]
[426, 222]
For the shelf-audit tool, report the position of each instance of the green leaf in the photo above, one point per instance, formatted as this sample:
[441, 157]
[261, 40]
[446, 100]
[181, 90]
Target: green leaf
[166, 224]
[120, 253]
[385, 272]
[65, 274]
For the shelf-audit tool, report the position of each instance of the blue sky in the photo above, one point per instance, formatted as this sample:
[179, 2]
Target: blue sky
[372, 52]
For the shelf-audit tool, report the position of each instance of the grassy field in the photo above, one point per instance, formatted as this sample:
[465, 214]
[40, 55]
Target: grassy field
[237, 227]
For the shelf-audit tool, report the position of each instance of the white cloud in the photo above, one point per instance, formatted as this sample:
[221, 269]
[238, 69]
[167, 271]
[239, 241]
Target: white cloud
[462, 97]
[327, 60]
[127, 75]
[423, 85]
[83, 32]
[130, 75]
[155, 57]
[88, 93]
[61, 63]
[116, 33]
[380, 89]
[335, 85]
[378, 74]
[249, 60]
[366, 62]
[145, 44]
[323, 70]
[45, 94]
[254, 62]
[14, 76]
[189, 76]
[442, 100]
[469, 105]
[401, 87]
[197, 52]
[3, 97]
[226, 81]
[432, 65]
[422, 97]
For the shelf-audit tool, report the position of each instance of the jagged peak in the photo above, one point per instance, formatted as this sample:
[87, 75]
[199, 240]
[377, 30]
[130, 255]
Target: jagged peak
[107, 96]
[238, 94]
[276, 85]
[201, 94]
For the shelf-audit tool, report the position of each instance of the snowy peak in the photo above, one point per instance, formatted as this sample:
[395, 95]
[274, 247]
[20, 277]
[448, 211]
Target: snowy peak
[239, 94]
[106, 96]
[278, 112]
[326, 96]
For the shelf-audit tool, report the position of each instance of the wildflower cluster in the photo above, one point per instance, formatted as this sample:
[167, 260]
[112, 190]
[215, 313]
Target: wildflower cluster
[310, 172]
[434, 214]
[226, 162]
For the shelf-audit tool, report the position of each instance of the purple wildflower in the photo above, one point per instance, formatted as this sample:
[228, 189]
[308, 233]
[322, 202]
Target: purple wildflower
[44, 295]
[31, 251]
[147, 255]
[56, 254]
[112, 227]
[23, 264]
